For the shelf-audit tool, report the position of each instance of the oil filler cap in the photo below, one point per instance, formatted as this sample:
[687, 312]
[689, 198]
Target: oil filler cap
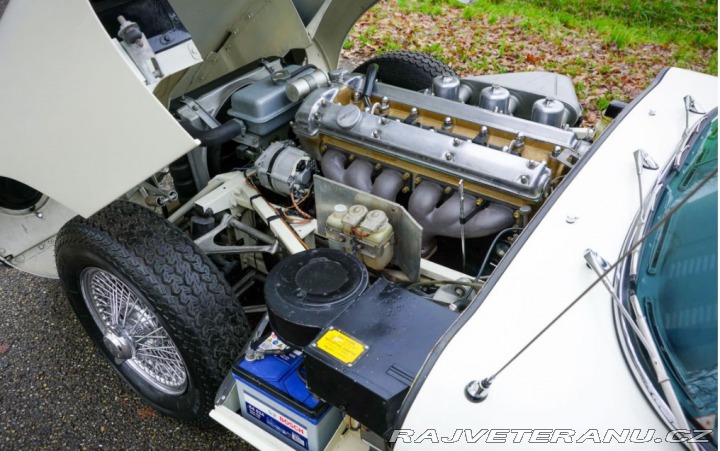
[348, 117]
[306, 291]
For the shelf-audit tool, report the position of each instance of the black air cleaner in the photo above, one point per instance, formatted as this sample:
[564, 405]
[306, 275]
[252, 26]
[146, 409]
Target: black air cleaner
[306, 291]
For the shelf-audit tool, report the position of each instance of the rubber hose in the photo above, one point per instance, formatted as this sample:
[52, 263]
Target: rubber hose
[215, 136]
[370, 77]
[301, 70]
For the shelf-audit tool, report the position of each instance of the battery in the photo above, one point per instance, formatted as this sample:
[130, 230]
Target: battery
[274, 396]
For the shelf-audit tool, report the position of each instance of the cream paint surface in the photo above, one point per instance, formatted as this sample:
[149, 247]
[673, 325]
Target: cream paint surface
[575, 376]
[76, 123]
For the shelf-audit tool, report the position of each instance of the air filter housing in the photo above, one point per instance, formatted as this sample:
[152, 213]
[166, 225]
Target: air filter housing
[306, 291]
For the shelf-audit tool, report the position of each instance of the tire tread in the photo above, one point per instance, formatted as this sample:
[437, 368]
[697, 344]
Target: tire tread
[203, 316]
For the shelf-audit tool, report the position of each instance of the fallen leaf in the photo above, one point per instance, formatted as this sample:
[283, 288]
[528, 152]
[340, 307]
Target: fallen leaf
[4, 347]
[146, 412]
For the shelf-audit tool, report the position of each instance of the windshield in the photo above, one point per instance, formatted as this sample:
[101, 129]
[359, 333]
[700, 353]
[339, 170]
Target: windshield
[677, 279]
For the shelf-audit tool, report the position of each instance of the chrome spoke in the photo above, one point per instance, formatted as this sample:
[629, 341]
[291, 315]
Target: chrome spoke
[126, 321]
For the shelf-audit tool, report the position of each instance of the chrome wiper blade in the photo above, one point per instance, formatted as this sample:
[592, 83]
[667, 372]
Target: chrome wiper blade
[642, 333]
[643, 161]
[683, 145]
[639, 225]
[661, 373]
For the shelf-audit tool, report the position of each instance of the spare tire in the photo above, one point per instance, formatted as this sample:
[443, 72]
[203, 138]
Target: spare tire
[407, 69]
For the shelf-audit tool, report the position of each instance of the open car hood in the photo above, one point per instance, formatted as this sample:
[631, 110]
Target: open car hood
[231, 34]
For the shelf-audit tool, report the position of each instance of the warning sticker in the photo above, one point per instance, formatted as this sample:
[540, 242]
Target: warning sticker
[342, 347]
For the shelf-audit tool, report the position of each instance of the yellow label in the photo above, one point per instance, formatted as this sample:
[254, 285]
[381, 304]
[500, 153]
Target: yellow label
[337, 344]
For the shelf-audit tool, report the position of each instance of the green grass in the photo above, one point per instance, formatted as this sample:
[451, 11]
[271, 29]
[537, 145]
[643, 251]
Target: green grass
[688, 25]
[622, 22]
[611, 49]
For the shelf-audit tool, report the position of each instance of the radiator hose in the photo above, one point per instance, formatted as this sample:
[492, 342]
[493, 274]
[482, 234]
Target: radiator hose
[215, 136]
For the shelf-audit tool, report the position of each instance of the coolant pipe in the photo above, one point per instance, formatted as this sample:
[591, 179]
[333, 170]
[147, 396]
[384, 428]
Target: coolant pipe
[444, 220]
[215, 136]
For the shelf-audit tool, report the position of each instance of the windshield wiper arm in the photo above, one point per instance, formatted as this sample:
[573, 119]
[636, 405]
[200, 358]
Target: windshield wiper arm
[691, 106]
[661, 373]
[600, 266]
[642, 332]
[642, 161]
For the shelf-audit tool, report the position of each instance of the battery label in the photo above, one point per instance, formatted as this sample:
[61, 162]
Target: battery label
[277, 421]
[273, 343]
[342, 347]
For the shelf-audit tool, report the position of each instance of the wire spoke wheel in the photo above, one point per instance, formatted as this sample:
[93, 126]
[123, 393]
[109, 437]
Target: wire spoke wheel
[155, 305]
[132, 332]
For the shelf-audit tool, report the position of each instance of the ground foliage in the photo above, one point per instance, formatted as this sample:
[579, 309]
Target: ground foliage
[609, 56]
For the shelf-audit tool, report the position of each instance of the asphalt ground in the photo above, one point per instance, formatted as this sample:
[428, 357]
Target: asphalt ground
[58, 392]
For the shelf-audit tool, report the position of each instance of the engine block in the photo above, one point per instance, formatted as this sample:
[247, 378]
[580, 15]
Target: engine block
[419, 137]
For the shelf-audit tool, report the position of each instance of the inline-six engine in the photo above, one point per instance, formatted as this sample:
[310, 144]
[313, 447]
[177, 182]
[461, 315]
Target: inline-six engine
[476, 167]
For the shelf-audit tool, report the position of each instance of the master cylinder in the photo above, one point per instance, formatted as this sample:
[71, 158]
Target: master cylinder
[367, 234]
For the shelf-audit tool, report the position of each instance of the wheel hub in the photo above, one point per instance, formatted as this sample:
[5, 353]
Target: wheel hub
[119, 344]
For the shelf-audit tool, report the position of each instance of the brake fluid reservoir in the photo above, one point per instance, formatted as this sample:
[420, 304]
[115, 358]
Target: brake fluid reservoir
[334, 224]
[377, 232]
[352, 218]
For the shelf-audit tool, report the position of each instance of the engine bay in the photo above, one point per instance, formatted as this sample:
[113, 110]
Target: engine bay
[333, 197]
[465, 158]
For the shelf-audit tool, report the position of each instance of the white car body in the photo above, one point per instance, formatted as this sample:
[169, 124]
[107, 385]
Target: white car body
[83, 151]
[575, 377]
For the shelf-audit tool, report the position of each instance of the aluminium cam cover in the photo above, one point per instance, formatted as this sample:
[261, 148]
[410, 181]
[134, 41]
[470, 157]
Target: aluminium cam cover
[463, 159]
